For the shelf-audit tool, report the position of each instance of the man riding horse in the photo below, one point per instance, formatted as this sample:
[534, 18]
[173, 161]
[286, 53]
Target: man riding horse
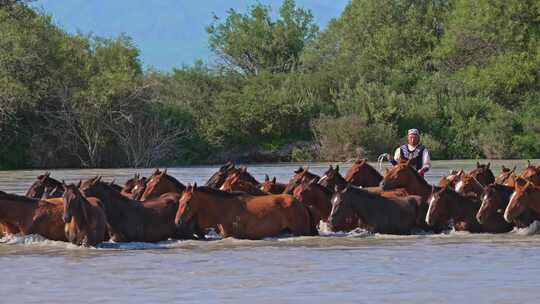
[414, 151]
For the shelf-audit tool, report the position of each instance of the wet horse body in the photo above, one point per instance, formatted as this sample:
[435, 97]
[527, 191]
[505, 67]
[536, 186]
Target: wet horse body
[495, 199]
[130, 220]
[526, 197]
[85, 219]
[20, 214]
[376, 213]
[241, 215]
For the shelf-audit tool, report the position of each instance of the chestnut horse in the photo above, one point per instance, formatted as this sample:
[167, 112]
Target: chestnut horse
[332, 178]
[85, 220]
[272, 186]
[483, 174]
[495, 199]
[45, 183]
[450, 180]
[526, 196]
[376, 213]
[363, 174]
[241, 215]
[507, 177]
[134, 221]
[404, 176]
[160, 183]
[20, 214]
[532, 174]
[300, 176]
[468, 184]
[447, 205]
[317, 197]
[234, 183]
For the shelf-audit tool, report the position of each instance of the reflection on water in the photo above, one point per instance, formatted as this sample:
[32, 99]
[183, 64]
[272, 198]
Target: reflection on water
[346, 267]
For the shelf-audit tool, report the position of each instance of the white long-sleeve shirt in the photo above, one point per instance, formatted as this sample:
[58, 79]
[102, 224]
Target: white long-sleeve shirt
[425, 156]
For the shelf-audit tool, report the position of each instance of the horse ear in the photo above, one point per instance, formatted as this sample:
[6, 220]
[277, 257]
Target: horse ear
[478, 164]
[514, 169]
[112, 182]
[98, 179]
[194, 187]
[266, 178]
[331, 168]
[337, 168]
[504, 169]
[274, 180]
[528, 163]
[164, 172]
[79, 184]
[489, 163]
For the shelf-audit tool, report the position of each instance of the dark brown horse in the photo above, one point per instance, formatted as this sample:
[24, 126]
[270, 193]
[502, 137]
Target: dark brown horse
[376, 213]
[483, 174]
[20, 214]
[85, 220]
[235, 183]
[363, 174]
[242, 216]
[317, 197]
[272, 186]
[300, 176]
[132, 221]
[525, 197]
[160, 183]
[332, 178]
[468, 184]
[495, 199]
[448, 205]
[45, 184]
[217, 179]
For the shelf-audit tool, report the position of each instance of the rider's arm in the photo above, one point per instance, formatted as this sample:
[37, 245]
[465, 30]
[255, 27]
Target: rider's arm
[425, 161]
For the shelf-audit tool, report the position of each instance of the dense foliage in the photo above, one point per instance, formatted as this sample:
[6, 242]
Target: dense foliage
[466, 73]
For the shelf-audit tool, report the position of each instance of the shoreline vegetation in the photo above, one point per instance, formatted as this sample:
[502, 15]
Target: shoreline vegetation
[466, 73]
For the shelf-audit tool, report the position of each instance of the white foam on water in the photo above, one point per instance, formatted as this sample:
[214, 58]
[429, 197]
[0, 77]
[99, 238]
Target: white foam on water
[533, 228]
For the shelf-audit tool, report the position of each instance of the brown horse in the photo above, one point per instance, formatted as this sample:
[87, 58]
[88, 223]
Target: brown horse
[532, 174]
[45, 183]
[495, 199]
[450, 180]
[300, 176]
[483, 174]
[20, 214]
[448, 205]
[468, 184]
[376, 213]
[217, 179]
[507, 177]
[332, 178]
[234, 183]
[272, 186]
[242, 216]
[132, 221]
[160, 183]
[363, 174]
[86, 223]
[317, 197]
[526, 196]
[404, 176]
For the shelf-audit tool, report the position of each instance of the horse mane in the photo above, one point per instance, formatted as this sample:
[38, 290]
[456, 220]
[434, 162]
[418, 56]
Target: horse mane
[370, 168]
[219, 193]
[364, 192]
[417, 175]
[176, 182]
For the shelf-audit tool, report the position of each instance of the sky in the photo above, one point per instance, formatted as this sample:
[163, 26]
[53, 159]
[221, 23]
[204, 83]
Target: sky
[168, 33]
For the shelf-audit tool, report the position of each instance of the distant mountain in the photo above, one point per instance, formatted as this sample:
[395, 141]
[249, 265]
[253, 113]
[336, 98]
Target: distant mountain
[169, 33]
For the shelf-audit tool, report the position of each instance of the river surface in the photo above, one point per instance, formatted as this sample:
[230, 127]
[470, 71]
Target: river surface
[354, 267]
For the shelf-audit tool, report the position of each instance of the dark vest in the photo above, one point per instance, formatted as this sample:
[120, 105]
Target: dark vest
[415, 155]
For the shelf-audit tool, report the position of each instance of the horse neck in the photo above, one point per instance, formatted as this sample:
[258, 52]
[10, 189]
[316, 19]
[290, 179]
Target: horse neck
[81, 221]
[216, 208]
[418, 186]
[533, 201]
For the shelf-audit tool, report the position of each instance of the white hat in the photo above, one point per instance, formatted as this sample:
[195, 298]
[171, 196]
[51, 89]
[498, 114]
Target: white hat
[413, 131]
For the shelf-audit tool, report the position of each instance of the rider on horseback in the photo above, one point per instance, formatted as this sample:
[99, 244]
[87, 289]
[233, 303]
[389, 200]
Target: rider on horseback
[412, 150]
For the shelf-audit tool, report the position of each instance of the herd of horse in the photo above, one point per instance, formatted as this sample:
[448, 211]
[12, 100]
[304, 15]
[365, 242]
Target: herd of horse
[234, 204]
